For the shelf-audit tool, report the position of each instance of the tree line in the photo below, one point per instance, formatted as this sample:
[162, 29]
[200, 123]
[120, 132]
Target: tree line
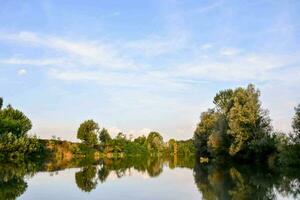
[239, 129]
[153, 144]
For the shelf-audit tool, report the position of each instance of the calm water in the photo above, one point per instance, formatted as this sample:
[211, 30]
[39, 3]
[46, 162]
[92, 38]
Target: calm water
[138, 178]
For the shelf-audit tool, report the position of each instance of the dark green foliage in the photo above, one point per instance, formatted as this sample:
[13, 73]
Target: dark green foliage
[1, 102]
[87, 132]
[245, 182]
[141, 140]
[104, 136]
[13, 148]
[14, 121]
[86, 178]
[237, 127]
[15, 145]
[296, 123]
[204, 129]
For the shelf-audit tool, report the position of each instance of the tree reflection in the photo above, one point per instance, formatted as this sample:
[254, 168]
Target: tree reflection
[243, 182]
[85, 178]
[12, 184]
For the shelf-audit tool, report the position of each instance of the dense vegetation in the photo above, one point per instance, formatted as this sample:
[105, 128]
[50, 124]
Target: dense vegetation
[122, 145]
[239, 129]
[15, 144]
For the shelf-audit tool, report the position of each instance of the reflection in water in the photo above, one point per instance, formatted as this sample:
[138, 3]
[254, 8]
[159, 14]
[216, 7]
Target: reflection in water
[86, 178]
[212, 181]
[12, 183]
[244, 182]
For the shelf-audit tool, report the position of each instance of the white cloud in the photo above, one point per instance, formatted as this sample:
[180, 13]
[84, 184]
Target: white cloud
[22, 72]
[83, 52]
[35, 62]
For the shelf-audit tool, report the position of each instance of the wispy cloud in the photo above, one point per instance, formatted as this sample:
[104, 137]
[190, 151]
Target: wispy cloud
[84, 52]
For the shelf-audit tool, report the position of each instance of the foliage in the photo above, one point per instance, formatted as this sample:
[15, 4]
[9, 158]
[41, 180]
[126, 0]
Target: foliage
[87, 132]
[86, 178]
[237, 127]
[14, 121]
[1, 102]
[155, 141]
[296, 123]
[15, 148]
[104, 136]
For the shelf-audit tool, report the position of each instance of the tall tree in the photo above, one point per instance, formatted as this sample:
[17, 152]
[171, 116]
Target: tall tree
[87, 132]
[236, 126]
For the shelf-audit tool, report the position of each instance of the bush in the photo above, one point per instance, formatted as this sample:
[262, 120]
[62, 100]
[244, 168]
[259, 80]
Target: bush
[15, 148]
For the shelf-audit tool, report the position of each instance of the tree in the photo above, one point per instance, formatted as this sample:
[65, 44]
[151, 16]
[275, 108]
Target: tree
[1, 102]
[87, 132]
[237, 126]
[155, 141]
[104, 136]
[204, 129]
[246, 120]
[296, 122]
[14, 121]
[140, 140]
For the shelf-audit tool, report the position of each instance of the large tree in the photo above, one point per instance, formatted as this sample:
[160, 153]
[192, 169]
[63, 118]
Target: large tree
[87, 132]
[14, 121]
[237, 124]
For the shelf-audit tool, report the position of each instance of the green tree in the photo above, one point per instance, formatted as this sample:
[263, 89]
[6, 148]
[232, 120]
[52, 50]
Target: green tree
[14, 121]
[87, 132]
[141, 140]
[296, 123]
[204, 129]
[237, 126]
[1, 102]
[247, 121]
[104, 136]
[155, 141]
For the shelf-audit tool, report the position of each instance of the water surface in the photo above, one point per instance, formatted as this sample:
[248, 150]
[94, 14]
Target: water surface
[141, 178]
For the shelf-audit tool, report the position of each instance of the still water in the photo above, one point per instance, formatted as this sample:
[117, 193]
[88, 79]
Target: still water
[140, 178]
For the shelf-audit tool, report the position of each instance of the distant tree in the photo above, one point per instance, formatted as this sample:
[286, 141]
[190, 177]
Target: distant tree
[121, 137]
[87, 132]
[155, 141]
[104, 136]
[1, 102]
[296, 122]
[14, 121]
[141, 140]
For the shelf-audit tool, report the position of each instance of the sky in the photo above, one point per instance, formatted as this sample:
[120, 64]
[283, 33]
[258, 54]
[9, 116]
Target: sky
[140, 66]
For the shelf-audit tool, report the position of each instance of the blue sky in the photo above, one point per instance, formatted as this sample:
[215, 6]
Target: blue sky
[136, 66]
